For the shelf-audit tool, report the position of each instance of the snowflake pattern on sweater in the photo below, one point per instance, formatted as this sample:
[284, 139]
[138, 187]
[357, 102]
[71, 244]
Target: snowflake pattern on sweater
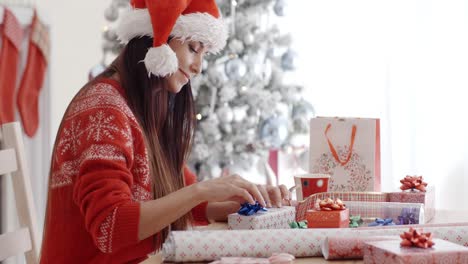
[99, 126]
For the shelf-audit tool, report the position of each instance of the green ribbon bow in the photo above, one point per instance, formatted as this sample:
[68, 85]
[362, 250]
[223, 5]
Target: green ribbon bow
[355, 221]
[301, 224]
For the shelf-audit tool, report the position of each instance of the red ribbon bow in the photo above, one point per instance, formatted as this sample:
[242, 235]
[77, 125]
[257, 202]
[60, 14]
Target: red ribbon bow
[413, 238]
[413, 182]
[329, 204]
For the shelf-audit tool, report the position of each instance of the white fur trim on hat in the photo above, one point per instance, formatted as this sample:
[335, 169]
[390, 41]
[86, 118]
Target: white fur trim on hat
[134, 23]
[203, 27]
[161, 61]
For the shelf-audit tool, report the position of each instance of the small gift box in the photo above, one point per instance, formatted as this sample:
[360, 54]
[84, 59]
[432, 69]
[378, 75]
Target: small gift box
[424, 195]
[327, 219]
[328, 214]
[392, 252]
[415, 247]
[274, 218]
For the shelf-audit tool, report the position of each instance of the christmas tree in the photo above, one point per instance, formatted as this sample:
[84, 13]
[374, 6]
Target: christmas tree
[244, 106]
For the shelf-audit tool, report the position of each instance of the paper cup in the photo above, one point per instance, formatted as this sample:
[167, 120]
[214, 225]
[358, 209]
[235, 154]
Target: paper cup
[310, 183]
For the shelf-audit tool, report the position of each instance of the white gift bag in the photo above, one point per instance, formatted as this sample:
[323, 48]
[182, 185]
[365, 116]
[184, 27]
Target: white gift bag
[348, 149]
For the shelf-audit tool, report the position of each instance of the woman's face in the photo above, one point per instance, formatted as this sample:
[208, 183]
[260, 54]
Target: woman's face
[190, 57]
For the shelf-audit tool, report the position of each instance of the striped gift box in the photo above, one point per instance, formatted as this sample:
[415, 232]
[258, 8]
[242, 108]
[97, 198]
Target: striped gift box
[309, 203]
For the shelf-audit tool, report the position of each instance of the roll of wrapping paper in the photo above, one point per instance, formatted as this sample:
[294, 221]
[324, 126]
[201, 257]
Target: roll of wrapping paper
[213, 244]
[369, 211]
[349, 247]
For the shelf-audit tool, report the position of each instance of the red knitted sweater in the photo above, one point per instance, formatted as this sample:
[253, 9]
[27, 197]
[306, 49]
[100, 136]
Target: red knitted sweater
[100, 173]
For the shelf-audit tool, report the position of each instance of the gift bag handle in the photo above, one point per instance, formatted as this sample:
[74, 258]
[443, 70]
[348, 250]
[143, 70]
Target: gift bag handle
[332, 148]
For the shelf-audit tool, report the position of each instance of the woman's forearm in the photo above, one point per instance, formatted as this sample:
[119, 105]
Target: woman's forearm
[155, 215]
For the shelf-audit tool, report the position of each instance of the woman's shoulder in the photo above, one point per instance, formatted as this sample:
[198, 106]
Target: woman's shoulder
[98, 96]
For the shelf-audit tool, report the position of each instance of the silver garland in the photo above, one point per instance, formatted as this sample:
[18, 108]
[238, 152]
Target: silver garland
[244, 107]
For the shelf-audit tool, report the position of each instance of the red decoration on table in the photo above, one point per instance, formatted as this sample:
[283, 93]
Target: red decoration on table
[413, 182]
[329, 204]
[413, 238]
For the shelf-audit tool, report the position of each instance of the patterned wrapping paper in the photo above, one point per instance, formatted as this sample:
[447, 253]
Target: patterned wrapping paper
[349, 247]
[427, 198]
[371, 210]
[211, 245]
[391, 252]
[309, 203]
[274, 218]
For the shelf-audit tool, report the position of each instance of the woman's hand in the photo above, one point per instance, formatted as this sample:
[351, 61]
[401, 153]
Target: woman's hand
[229, 188]
[235, 188]
[275, 195]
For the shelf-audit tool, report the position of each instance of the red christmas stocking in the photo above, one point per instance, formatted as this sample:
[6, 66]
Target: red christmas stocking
[33, 77]
[12, 35]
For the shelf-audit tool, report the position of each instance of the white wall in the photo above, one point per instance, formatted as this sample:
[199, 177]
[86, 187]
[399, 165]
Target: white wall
[76, 28]
[404, 61]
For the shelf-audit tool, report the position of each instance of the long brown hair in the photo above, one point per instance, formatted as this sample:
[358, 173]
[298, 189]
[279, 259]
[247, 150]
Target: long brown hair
[167, 120]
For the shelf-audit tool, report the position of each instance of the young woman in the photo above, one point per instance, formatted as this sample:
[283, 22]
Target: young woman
[117, 183]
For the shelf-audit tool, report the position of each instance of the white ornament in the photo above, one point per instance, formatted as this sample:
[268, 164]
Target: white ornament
[226, 128]
[225, 114]
[303, 108]
[235, 69]
[287, 61]
[236, 46]
[216, 75]
[204, 65]
[111, 13]
[240, 112]
[249, 39]
[279, 7]
[274, 131]
[110, 35]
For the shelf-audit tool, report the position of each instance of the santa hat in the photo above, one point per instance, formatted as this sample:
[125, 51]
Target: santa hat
[197, 20]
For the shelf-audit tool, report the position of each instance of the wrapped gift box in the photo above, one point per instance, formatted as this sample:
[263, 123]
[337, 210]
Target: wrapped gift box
[369, 211]
[274, 218]
[391, 252]
[327, 219]
[427, 198]
[309, 203]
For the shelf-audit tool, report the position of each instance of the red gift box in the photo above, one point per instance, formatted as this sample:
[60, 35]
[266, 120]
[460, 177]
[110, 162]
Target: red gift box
[327, 219]
[391, 252]
[427, 198]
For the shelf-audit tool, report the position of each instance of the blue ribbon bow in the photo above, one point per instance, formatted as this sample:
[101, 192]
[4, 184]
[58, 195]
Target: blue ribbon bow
[382, 222]
[248, 209]
[408, 216]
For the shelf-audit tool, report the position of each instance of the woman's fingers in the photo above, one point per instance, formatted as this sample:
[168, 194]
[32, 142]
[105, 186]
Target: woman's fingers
[285, 192]
[243, 193]
[275, 195]
[251, 188]
[265, 195]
